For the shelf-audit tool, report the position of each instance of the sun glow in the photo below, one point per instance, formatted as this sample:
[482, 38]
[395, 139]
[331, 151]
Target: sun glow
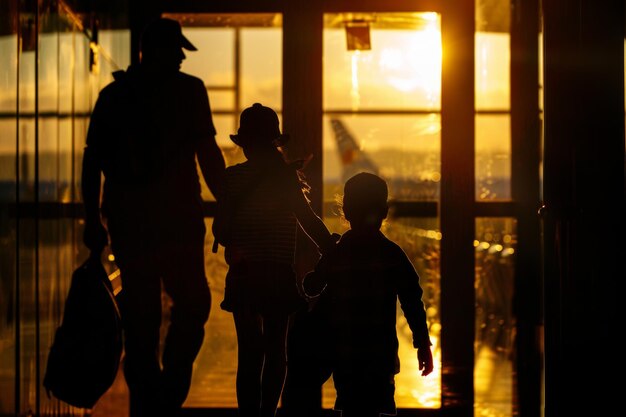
[355, 95]
[415, 62]
[402, 63]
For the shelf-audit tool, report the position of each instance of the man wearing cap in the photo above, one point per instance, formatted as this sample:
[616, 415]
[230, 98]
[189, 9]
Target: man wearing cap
[148, 128]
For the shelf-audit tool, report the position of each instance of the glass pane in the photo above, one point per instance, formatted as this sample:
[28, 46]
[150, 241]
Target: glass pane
[48, 72]
[8, 246]
[495, 323]
[382, 115]
[402, 149]
[26, 240]
[493, 157]
[402, 70]
[114, 49]
[8, 73]
[222, 100]
[214, 61]
[492, 88]
[26, 158]
[48, 158]
[66, 162]
[87, 84]
[262, 67]
[540, 69]
[80, 134]
[492, 73]
[26, 277]
[66, 72]
[27, 83]
[7, 161]
[113, 55]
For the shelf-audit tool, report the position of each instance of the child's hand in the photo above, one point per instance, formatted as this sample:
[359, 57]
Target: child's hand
[425, 360]
[95, 236]
[330, 245]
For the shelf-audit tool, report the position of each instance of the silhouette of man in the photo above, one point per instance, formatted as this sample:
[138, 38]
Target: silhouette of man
[146, 131]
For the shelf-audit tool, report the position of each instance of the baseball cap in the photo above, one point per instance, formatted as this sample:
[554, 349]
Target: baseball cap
[164, 32]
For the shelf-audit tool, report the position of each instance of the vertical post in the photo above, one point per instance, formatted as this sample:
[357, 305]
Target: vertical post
[37, 222]
[525, 182]
[456, 208]
[302, 88]
[302, 102]
[584, 194]
[17, 309]
[302, 120]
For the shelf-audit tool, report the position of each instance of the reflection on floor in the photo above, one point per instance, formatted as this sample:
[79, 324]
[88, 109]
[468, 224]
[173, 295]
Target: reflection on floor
[115, 401]
[214, 384]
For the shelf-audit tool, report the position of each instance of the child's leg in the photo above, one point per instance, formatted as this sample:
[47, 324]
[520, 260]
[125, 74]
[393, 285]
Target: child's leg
[274, 368]
[360, 413]
[362, 394]
[308, 366]
[249, 328]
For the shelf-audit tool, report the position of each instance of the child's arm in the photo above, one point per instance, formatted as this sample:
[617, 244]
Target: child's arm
[410, 295]
[312, 224]
[315, 281]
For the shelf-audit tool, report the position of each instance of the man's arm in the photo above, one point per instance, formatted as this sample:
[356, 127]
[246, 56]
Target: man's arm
[212, 165]
[91, 185]
[210, 158]
[95, 235]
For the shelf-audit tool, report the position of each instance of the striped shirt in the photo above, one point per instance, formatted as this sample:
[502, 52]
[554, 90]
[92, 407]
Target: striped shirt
[263, 226]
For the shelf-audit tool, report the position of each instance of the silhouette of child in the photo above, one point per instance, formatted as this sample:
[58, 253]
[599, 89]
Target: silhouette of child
[256, 221]
[358, 285]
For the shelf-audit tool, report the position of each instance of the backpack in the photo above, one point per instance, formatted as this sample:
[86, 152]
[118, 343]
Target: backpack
[84, 357]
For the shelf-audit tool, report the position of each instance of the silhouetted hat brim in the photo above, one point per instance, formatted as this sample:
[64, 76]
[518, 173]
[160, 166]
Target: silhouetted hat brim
[186, 44]
[243, 140]
[165, 32]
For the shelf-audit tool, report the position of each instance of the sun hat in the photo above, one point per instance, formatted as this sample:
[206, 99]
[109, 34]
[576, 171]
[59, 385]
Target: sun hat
[164, 32]
[257, 124]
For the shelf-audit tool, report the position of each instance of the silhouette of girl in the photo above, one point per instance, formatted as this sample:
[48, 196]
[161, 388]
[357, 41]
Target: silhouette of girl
[257, 219]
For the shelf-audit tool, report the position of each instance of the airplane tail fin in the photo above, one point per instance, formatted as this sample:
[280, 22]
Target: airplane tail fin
[353, 159]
